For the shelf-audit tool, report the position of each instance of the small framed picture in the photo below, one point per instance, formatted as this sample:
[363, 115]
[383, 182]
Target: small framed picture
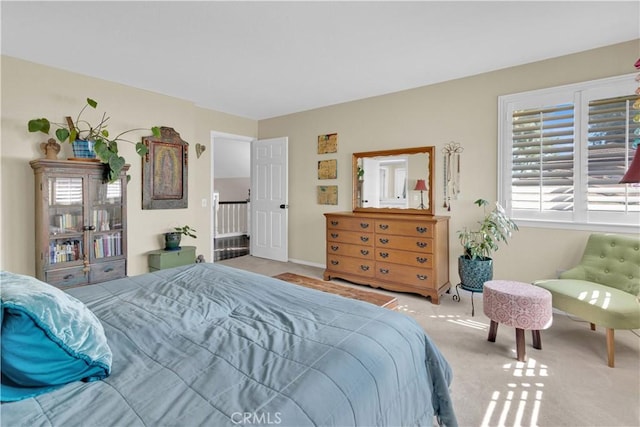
[328, 143]
[328, 169]
[327, 194]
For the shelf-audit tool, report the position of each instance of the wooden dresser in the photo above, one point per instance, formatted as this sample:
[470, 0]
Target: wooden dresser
[398, 252]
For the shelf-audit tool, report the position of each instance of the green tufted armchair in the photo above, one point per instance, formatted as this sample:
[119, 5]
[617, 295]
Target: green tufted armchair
[604, 288]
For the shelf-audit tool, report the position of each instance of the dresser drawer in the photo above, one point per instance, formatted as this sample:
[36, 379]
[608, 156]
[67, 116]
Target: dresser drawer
[404, 243]
[107, 271]
[358, 251]
[413, 259]
[353, 224]
[353, 237]
[404, 228]
[412, 276]
[361, 267]
[67, 277]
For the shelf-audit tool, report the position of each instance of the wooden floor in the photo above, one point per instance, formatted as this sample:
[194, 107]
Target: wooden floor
[381, 300]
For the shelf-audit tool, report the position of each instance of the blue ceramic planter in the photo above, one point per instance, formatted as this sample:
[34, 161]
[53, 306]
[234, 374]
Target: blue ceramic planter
[473, 273]
[83, 149]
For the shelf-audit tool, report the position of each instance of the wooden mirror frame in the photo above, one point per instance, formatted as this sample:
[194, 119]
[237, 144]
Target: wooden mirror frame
[430, 176]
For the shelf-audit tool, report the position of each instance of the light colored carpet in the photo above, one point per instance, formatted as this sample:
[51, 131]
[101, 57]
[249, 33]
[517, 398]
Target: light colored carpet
[567, 383]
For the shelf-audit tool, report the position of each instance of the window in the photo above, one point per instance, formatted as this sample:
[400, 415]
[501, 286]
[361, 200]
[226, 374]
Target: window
[563, 151]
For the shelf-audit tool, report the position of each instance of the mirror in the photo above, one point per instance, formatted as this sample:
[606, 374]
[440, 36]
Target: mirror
[394, 181]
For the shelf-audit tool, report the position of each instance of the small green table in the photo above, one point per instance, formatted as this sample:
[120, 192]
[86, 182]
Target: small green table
[162, 259]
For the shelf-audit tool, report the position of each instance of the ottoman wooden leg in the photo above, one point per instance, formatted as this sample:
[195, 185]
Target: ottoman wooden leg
[537, 341]
[520, 352]
[493, 330]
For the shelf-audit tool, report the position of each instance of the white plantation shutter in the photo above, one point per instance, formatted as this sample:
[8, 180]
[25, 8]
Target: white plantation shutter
[563, 151]
[65, 191]
[611, 133]
[542, 158]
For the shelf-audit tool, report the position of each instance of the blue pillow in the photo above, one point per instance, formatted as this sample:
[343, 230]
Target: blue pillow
[48, 339]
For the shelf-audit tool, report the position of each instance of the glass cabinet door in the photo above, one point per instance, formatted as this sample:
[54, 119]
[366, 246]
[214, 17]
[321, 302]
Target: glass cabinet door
[64, 211]
[106, 218]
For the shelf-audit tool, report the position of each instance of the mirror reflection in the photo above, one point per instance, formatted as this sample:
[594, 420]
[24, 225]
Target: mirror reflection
[384, 182]
[393, 179]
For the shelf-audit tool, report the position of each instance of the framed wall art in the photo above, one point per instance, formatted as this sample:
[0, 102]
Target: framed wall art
[165, 171]
[328, 143]
[327, 194]
[327, 169]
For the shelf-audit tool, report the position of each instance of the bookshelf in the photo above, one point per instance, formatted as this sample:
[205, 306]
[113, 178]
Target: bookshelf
[80, 223]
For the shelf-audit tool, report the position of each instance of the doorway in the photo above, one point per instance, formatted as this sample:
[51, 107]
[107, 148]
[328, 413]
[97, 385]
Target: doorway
[230, 203]
[250, 197]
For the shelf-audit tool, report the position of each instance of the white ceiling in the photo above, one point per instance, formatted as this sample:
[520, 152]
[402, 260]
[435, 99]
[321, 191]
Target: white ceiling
[265, 59]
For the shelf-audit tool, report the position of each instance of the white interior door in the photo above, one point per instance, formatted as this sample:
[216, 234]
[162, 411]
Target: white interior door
[269, 199]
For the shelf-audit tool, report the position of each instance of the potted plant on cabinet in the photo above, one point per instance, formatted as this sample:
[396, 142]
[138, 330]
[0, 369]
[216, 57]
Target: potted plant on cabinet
[92, 140]
[475, 266]
[172, 238]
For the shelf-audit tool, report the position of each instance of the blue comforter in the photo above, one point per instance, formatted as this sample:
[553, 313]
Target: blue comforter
[214, 346]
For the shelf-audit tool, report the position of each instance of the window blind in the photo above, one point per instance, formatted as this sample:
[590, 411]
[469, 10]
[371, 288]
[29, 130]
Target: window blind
[542, 173]
[65, 191]
[611, 132]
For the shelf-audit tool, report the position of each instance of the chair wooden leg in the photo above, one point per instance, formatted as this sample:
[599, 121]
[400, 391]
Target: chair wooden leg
[493, 330]
[593, 326]
[520, 350]
[610, 347]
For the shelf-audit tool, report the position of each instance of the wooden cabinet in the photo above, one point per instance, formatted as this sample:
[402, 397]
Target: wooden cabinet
[399, 252]
[80, 223]
[162, 259]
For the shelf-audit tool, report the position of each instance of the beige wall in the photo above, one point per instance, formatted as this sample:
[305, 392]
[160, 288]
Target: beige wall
[30, 90]
[464, 111]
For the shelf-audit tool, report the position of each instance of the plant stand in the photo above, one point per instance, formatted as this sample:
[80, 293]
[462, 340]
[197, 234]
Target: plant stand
[456, 297]
[473, 274]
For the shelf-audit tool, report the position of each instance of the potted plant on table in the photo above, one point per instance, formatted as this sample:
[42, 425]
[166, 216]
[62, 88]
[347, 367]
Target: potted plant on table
[92, 140]
[172, 238]
[475, 266]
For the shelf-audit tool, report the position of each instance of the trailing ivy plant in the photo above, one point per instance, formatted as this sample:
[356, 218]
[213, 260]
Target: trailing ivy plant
[105, 146]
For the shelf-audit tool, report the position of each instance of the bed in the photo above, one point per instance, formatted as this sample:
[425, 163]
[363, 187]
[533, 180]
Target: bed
[212, 345]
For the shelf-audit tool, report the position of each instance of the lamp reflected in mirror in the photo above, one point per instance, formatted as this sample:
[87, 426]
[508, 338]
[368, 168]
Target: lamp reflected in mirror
[421, 186]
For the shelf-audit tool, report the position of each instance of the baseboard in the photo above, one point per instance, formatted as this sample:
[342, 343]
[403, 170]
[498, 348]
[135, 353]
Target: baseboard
[303, 262]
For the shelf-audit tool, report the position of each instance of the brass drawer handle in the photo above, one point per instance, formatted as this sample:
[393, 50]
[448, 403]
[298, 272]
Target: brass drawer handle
[334, 235]
[364, 238]
[334, 222]
[384, 254]
[334, 262]
[421, 229]
[421, 244]
[334, 248]
[364, 252]
[364, 225]
[384, 226]
[422, 276]
[384, 241]
[384, 270]
[364, 267]
[421, 260]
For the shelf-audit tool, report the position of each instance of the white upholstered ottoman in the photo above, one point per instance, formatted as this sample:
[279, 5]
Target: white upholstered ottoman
[520, 305]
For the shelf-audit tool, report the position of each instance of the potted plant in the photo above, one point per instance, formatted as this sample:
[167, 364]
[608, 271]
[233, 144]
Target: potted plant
[172, 238]
[94, 138]
[475, 266]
